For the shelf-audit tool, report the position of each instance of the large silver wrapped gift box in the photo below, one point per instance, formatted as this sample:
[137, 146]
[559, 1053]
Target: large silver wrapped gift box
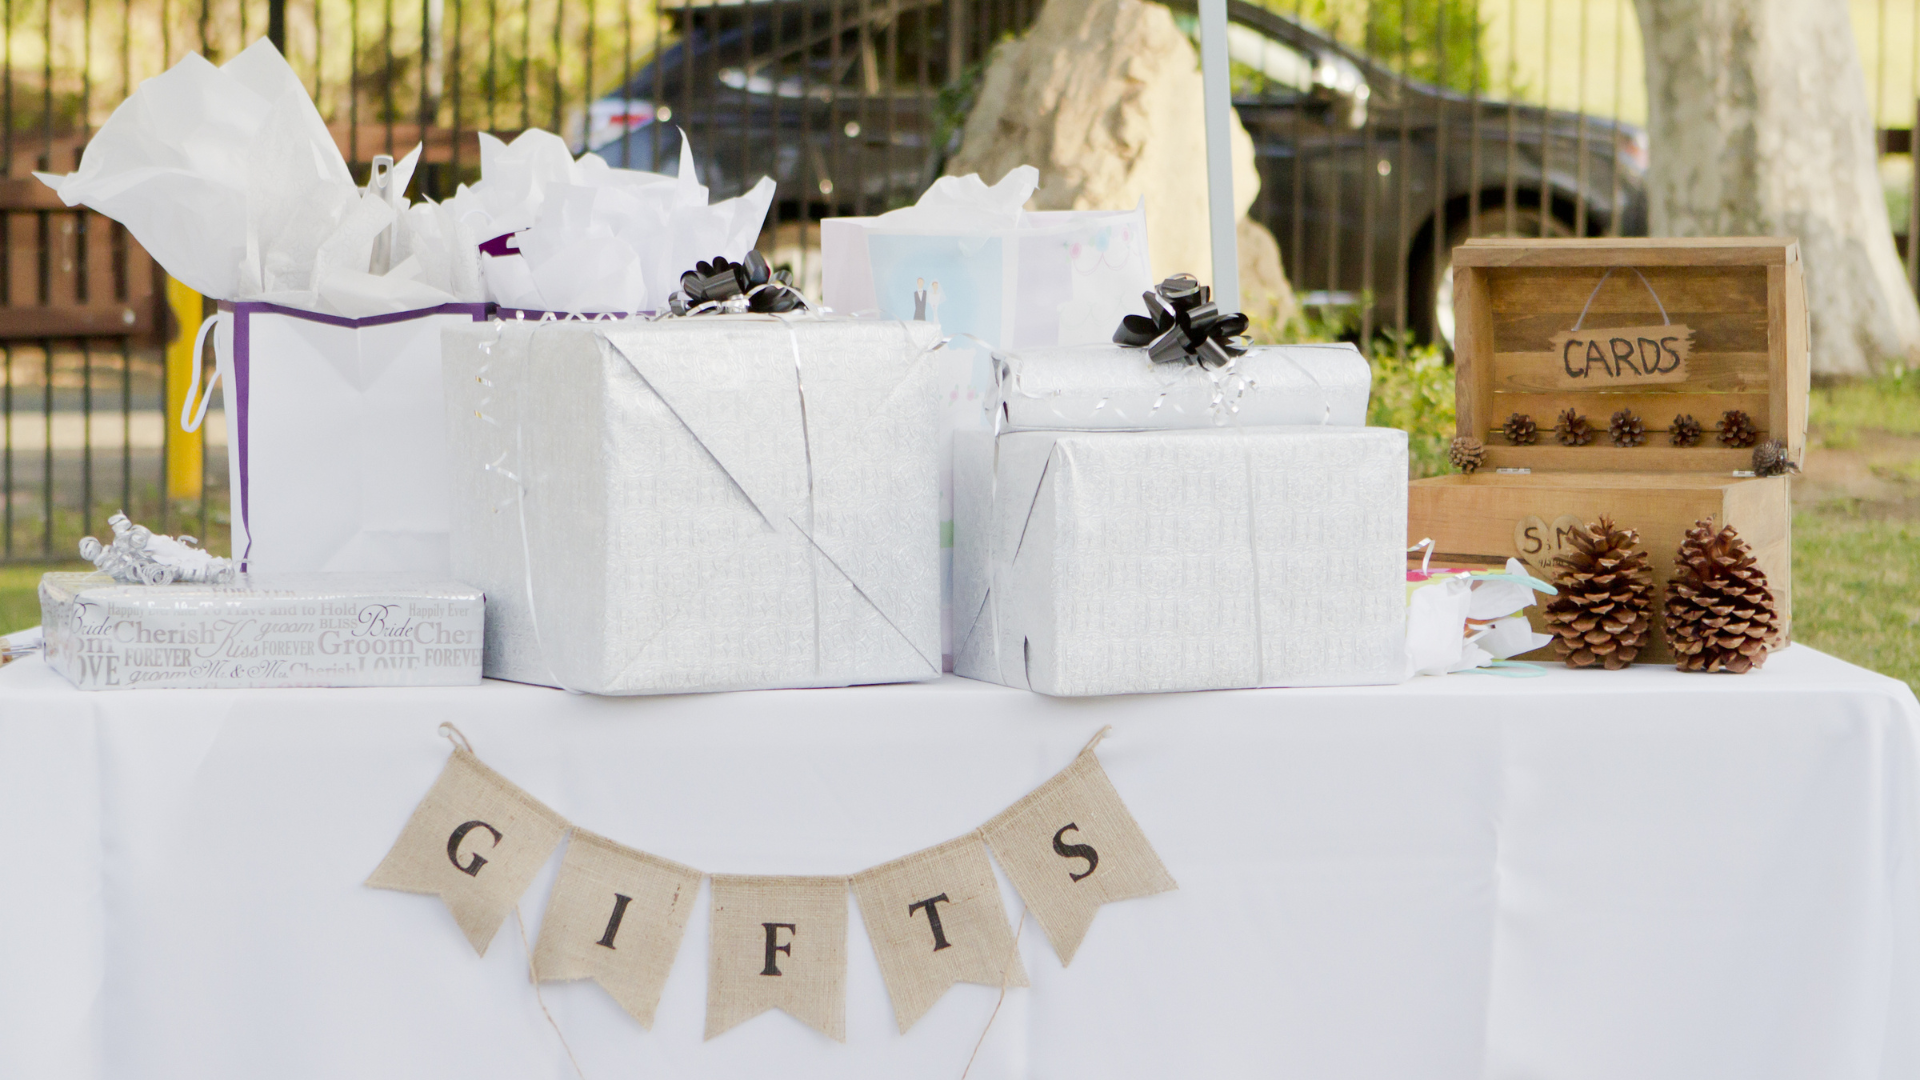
[723, 502]
[1130, 562]
[263, 631]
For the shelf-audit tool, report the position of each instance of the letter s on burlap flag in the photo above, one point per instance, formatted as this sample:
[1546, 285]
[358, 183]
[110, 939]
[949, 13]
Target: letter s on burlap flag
[1070, 845]
[778, 943]
[616, 916]
[935, 919]
[475, 841]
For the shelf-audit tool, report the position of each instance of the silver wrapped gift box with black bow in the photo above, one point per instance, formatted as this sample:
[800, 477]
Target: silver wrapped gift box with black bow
[725, 502]
[1215, 519]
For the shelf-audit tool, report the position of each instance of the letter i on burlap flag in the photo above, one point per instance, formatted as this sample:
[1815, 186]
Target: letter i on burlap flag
[935, 919]
[778, 943]
[475, 842]
[1070, 845]
[616, 916]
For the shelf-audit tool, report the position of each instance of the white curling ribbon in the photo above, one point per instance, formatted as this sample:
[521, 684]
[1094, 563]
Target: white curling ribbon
[192, 415]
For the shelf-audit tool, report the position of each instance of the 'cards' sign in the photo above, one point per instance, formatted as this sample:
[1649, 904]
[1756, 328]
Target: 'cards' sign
[1622, 355]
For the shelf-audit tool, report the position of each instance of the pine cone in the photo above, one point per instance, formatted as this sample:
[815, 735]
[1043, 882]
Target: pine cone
[1466, 453]
[1573, 429]
[1521, 430]
[1720, 613]
[1736, 429]
[1685, 431]
[1603, 613]
[1626, 429]
[1770, 459]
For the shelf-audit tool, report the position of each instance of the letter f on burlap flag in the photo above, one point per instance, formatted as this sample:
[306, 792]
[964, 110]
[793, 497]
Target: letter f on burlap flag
[1070, 845]
[475, 842]
[778, 943]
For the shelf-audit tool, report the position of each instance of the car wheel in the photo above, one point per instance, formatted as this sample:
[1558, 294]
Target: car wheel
[1432, 319]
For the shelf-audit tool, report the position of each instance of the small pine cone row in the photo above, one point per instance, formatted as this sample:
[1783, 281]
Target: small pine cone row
[1685, 431]
[1626, 429]
[1736, 430]
[1720, 614]
[1466, 453]
[1573, 429]
[1603, 613]
[1770, 458]
[1521, 430]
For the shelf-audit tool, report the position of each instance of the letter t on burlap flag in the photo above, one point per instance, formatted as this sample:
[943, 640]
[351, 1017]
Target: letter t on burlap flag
[1070, 845]
[935, 919]
[616, 916]
[778, 943]
[475, 841]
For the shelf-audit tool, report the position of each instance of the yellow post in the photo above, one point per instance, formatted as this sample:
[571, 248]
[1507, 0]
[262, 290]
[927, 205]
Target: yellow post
[185, 449]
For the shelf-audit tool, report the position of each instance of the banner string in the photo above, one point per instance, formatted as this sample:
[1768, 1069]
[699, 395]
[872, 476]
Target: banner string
[1006, 972]
[1095, 741]
[520, 923]
[455, 736]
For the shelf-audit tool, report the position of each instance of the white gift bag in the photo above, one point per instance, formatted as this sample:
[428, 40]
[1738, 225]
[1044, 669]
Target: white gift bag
[336, 436]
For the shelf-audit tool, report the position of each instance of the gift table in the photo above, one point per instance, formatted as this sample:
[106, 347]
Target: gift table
[1584, 875]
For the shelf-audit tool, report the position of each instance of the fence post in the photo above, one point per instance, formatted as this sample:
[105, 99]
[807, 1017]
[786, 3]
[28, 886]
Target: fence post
[1217, 92]
[184, 449]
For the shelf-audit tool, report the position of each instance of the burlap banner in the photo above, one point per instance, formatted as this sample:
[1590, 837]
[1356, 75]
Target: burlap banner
[1070, 846]
[617, 915]
[778, 943]
[935, 919]
[475, 841]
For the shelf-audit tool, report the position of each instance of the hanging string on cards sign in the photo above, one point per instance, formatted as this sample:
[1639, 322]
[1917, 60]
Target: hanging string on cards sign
[617, 915]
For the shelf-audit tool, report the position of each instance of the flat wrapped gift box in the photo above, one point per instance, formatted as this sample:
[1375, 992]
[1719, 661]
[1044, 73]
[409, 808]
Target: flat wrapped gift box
[1130, 562]
[1114, 388]
[263, 631]
[723, 502]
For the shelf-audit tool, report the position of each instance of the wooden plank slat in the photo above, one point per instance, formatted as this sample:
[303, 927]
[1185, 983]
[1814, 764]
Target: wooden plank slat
[1713, 331]
[1601, 457]
[71, 321]
[1473, 353]
[1534, 290]
[27, 193]
[1640, 251]
[1657, 410]
[1707, 372]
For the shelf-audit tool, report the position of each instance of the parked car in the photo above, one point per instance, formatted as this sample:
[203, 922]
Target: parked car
[848, 107]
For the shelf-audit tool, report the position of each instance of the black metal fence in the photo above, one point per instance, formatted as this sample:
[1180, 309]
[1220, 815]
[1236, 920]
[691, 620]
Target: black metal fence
[1385, 132]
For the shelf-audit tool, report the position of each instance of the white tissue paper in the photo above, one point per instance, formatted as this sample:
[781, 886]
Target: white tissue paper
[230, 180]
[725, 502]
[1111, 562]
[586, 237]
[1458, 620]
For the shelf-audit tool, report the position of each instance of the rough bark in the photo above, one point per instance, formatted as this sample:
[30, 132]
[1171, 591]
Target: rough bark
[1760, 126]
[1104, 97]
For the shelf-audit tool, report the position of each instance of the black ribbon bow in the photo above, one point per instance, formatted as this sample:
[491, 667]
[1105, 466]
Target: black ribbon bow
[1183, 326]
[719, 281]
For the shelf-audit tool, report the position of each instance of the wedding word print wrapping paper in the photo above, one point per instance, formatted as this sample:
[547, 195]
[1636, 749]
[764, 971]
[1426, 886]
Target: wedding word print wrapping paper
[617, 915]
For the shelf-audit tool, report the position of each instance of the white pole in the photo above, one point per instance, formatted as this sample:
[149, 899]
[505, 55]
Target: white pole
[1219, 109]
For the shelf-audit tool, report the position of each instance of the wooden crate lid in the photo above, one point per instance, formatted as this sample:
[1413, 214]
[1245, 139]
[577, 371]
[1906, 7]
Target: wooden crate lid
[1741, 299]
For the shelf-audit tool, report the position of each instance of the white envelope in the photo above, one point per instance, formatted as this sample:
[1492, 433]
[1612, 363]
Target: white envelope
[336, 446]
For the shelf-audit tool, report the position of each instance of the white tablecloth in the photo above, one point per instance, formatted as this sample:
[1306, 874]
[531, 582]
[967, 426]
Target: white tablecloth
[1589, 875]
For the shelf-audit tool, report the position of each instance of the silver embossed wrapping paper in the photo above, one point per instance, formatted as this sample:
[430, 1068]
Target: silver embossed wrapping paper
[263, 631]
[1110, 387]
[717, 503]
[1132, 562]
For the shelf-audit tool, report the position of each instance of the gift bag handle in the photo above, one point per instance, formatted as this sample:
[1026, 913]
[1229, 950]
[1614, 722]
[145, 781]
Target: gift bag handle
[192, 416]
[1603, 280]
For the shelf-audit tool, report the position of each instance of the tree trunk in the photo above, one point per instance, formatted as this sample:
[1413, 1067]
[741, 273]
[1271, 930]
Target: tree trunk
[1760, 127]
[1104, 98]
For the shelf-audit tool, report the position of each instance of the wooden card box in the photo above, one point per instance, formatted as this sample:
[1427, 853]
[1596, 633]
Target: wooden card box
[1744, 301]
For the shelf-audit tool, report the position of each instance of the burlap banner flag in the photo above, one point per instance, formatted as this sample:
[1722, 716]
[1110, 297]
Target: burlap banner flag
[778, 943]
[616, 916]
[1070, 846]
[935, 919]
[475, 841]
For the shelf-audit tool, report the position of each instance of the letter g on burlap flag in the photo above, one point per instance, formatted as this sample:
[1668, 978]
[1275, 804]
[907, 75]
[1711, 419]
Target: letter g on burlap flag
[778, 943]
[616, 916]
[1070, 845]
[475, 841]
[935, 919]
